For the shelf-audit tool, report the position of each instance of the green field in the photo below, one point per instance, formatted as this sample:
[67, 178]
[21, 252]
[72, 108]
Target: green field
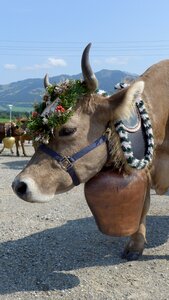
[3, 120]
[17, 109]
[17, 112]
[22, 109]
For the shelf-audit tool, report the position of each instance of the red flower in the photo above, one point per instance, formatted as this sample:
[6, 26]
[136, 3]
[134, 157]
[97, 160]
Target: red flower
[34, 114]
[60, 108]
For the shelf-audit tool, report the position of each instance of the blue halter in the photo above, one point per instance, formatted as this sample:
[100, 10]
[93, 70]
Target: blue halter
[67, 162]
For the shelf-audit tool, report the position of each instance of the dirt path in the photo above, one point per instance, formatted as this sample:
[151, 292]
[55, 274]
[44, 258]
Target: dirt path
[55, 251]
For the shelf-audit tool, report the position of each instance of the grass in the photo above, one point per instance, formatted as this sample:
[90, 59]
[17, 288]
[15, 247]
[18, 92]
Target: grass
[3, 120]
[19, 109]
[22, 109]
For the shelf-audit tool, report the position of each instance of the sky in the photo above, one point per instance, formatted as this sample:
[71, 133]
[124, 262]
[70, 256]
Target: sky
[39, 37]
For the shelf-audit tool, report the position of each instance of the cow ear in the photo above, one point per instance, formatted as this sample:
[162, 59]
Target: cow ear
[122, 102]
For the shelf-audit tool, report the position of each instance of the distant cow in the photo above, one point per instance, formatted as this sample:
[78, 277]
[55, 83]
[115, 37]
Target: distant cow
[6, 130]
[18, 132]
[21, 135]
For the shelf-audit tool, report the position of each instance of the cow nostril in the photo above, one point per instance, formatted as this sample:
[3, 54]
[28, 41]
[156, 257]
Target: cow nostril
[21, 188]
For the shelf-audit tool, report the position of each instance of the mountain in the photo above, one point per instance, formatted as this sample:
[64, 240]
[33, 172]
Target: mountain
[26, 92]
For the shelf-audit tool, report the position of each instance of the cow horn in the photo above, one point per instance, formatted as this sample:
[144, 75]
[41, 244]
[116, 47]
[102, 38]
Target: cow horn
[88, 75]
[46, 81]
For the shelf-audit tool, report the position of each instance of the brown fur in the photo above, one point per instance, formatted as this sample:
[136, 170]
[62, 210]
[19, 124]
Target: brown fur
[43, 177]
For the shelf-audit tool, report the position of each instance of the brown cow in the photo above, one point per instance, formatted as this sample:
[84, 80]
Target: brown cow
[18, 132]
[6, 130]
[21, 135]
[20, 140]
[44, 177]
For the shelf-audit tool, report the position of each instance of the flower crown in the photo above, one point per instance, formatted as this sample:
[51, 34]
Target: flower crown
[56, 108]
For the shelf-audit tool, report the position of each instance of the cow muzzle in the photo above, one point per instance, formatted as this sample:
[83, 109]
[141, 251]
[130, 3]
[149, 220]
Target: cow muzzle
[27, 190]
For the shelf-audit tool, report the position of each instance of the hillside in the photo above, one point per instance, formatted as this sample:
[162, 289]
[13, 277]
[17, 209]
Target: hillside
[26, 92]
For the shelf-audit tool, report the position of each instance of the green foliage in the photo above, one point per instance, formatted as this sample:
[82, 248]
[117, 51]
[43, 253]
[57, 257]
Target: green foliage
[4, 120]
[68, 92]
[64, 98]
[70, 96]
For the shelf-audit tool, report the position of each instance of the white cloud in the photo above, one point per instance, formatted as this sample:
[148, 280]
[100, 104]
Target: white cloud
[57, 62]
[35, 67]
[10, 66]
[97, 62]
[51, 63]
[116, 60]
[111, 62]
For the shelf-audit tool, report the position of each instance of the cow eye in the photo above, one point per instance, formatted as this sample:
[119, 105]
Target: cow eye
[67, 131]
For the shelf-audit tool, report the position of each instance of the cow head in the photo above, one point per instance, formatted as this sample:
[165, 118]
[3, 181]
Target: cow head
[44, 177]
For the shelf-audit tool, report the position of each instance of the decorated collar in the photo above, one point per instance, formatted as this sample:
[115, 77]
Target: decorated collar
[126, 143]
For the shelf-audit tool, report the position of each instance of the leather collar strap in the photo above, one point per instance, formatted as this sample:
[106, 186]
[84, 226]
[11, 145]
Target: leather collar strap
[66, 162]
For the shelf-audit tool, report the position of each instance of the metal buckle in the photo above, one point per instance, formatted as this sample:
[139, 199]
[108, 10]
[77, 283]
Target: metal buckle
[66, 163]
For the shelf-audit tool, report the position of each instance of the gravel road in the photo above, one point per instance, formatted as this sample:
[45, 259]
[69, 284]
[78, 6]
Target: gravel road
[55, 251]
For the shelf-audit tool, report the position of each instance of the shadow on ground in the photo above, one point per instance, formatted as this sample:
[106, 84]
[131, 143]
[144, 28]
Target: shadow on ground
[45, 260]
[15, 165]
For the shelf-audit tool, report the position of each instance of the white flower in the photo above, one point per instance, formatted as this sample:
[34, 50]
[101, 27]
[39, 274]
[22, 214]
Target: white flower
[37, 139]
[69, 109]
[45, 140]
[45, 120]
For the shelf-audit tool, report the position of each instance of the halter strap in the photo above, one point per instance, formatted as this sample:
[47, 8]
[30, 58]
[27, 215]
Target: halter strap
[67, 162]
